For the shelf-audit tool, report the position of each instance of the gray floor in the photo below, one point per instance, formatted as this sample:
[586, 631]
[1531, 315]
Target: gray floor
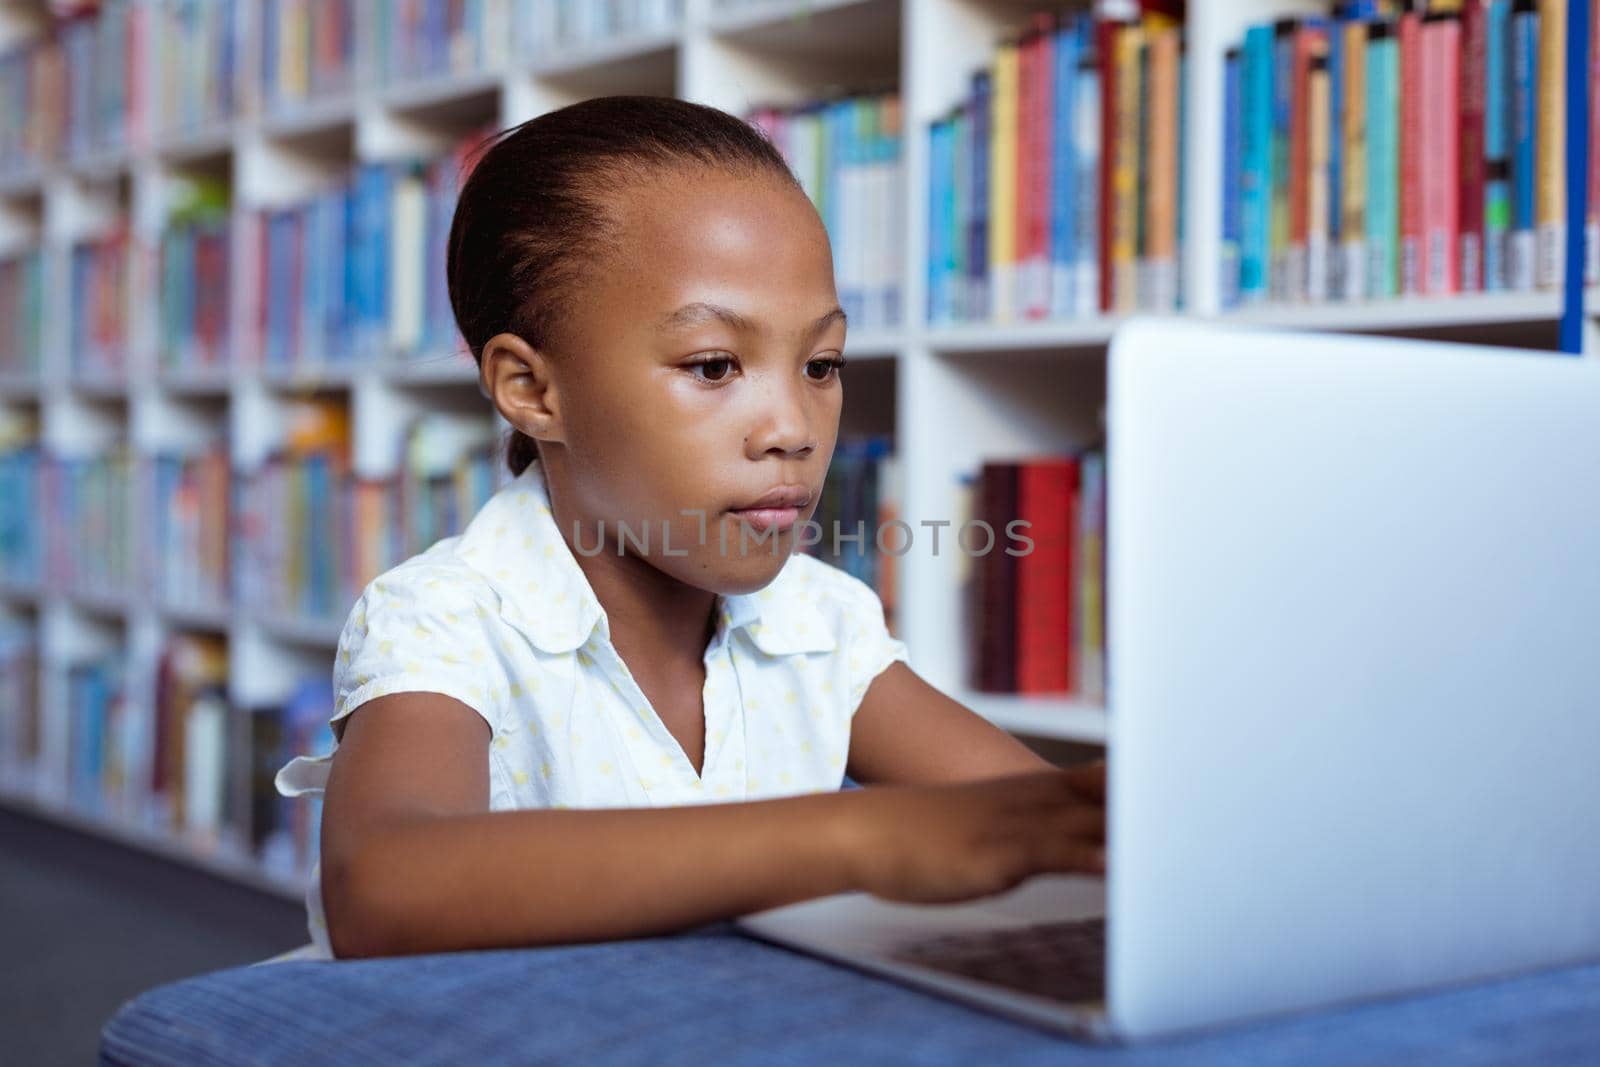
[86, 924]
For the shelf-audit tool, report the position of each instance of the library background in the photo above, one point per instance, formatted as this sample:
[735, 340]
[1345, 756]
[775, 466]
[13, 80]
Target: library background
[231, 391]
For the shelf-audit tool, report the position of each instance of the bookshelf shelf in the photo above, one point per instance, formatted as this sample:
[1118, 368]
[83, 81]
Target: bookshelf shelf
[1083, 335]
[300, 630]
[602, 62]
[20, 592]
[1414, 313]
[441, 90]
[196, 381]
[1059, 718]
[309, 119]
[213, 617]
[1013, 388]
[106, 605]
[189, 146]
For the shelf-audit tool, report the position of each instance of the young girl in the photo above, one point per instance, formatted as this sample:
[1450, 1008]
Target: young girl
[619, 703]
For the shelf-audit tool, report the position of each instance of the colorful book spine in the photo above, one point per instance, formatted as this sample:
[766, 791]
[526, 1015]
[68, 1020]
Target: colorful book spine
[1412, 141]
[1497, 211]
[1318, 135]
[1285, 33]
[1089, 142]
[980, 289]
[1473, 157]
[1256, 178]
[1002, 255]
[1159, 188]
[1232, 175]
[1127, 48]
[1522, 260]
[1550, 140]
[1383, 160]
[1066, 54]
[1439, 47]
[1352, 193]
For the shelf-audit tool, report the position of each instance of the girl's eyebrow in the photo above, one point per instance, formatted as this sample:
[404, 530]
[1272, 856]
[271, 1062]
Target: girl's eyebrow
[700, 311]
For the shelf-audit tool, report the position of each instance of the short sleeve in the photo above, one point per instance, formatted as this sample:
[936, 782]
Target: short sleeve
[865, 644]
[420, 627]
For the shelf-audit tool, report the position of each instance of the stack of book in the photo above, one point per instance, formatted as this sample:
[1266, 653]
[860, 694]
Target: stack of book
[102, 50]
[21, 313]
[846, 154]
[98, 338]
[32, 107]
[861, 497]
[194, 278]
[429, 38]
[1381, 153]
[1057, 185]
[293, 552]
[197, 82]
[20, 730]
[21, 541]
[284, 833]
[1038, 589]
[447, 473]
[358, 273]
[308, 52]
[181, 752]
[99, 722]
[90, 508]
[189, 531]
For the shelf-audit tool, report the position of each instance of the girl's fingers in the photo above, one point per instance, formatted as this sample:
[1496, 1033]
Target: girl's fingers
[1088, 779]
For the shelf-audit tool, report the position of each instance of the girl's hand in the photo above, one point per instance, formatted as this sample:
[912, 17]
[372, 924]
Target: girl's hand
[947, 843]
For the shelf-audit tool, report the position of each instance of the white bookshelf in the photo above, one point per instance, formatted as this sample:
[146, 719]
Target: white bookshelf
[953, 395]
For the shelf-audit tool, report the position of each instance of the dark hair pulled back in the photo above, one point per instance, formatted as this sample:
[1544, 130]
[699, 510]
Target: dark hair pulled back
[534, 208]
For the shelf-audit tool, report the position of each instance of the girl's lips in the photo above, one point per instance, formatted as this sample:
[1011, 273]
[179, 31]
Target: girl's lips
[765, 518]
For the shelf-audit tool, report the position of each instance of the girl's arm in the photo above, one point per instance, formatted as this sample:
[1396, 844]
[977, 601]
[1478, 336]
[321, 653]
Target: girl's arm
[907, 732]
[412, 860]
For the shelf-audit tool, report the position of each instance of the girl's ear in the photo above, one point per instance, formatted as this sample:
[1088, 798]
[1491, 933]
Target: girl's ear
[518, 378]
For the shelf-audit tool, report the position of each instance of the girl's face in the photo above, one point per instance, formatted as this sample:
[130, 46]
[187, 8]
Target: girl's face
[700, 375]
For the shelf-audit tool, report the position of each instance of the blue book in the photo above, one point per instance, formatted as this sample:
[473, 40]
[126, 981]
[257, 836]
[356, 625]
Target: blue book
[1086, 131]
[1232, 174]
[1496, 146]
[1063, 169]
[939, 163]
[959, 218]
[1256, 147]
[1524, 130]
[977, 297]
[1383, 160]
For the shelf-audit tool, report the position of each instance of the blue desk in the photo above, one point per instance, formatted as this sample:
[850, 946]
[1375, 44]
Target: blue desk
[712, 996]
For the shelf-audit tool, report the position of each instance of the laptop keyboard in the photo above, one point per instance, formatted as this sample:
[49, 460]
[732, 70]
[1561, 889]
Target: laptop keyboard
[1063, 961]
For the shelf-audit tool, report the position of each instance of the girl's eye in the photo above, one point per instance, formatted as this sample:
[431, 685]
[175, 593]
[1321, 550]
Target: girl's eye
[820, 370]
[716, 369]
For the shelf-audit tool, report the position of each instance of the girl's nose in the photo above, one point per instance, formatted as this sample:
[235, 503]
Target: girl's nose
[782, 424]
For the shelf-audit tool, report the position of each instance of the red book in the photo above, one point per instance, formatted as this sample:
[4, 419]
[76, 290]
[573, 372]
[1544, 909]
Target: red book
[996, 573]
[1441, 125]
[1105, 32]
[1411, 120]
[1474, 165]
[1045, 633]
[1309, 41]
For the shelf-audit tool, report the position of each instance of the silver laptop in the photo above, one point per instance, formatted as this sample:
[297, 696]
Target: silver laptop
[1354, 724]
